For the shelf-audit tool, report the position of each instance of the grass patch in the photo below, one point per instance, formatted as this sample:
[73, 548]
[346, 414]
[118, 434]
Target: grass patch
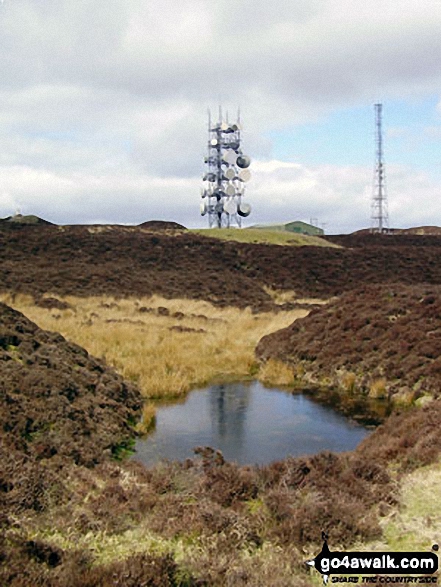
[275, 372]
[417, 525]
[148, 420]
[262, 236]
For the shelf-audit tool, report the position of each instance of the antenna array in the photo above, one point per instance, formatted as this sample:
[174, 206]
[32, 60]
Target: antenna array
[226, 175]
[380, 216]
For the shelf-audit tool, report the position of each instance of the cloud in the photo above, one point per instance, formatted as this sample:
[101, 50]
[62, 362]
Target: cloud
[105, 102]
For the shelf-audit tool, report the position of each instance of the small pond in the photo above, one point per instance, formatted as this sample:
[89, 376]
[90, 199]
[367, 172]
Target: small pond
[249, 423]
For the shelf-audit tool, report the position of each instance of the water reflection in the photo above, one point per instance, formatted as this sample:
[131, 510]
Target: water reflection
[249, 424]
[228, 412]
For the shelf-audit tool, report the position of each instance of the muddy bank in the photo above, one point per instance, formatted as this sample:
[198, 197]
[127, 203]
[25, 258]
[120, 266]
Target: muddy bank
[117, 260]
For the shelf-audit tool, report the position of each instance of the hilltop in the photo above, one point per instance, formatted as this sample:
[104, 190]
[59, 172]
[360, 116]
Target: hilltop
[119, 260]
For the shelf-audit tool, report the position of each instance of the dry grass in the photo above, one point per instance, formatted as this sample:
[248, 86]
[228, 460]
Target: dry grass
[377, 388]
[148, 419]
[274, 372]
[288, 296]
[167, 347]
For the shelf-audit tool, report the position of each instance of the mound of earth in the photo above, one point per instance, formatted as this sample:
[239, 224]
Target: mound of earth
[58, 400]
[162, 225]
[82, 260]
[29, 219]
[381, 340]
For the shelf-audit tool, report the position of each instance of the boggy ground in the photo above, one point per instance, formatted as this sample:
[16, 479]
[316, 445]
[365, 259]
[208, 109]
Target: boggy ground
[71, 515]
[69, 519]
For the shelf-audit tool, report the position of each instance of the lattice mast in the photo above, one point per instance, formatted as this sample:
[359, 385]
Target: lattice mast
[380, 216]
[226, 175]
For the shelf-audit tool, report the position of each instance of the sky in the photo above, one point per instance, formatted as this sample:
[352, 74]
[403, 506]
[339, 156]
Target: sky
[103, 107]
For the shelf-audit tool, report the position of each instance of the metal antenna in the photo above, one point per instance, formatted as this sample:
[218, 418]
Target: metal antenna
[227, 172]
[380, 217]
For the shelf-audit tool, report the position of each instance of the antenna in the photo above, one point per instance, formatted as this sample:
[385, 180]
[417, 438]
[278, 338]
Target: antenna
[380, 217]
[227, 172]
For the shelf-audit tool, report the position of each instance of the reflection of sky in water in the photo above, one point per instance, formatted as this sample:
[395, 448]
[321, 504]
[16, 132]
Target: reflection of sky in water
[249, 424]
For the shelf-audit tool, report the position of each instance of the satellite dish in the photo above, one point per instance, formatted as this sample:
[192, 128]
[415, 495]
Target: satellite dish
[230, 207]
[224, 126]
[245, 175]
[230, 173]
[203, 208]
[243, 161]
[244, 209]
[230, 157]
[213, 142]
[230, 190]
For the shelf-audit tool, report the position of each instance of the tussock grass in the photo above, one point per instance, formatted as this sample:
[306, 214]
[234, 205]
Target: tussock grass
[166, 347]
[262, 236]
[275, 372]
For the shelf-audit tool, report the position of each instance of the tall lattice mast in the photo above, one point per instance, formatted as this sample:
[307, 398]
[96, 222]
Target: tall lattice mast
[226, 174]
[380, 216]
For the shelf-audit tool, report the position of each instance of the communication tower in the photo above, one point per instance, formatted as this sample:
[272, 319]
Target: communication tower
[226, 175]
[380, 217]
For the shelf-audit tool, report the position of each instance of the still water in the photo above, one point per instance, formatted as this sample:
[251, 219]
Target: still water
[249, 423]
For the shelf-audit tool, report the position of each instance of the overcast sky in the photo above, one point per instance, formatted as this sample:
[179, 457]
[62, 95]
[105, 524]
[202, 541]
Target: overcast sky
[103, 107]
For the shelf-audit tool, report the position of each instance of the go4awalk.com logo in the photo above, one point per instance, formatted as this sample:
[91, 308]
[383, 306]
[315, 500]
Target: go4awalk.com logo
[379, 564]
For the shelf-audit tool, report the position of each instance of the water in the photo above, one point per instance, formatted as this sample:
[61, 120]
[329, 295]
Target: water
[250, 424]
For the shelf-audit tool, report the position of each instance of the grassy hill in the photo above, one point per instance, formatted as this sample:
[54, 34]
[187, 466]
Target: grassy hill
[263, 236]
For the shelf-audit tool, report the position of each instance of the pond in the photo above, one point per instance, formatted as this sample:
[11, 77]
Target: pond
[249, 423]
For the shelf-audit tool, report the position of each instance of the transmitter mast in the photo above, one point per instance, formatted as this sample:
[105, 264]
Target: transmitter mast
[380, 216]
[226, 175]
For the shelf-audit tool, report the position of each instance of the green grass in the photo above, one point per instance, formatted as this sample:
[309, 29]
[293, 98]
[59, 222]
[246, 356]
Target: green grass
[257, 236]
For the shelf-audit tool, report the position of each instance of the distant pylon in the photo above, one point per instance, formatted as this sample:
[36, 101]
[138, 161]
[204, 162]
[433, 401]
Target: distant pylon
[380, 216]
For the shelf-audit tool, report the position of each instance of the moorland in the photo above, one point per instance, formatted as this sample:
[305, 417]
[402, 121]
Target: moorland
[97, 322]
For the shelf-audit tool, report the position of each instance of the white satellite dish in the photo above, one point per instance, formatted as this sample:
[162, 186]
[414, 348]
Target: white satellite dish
[230, 190]
[230, 207]
[245, 175]
[230, 173]
[230, 157]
